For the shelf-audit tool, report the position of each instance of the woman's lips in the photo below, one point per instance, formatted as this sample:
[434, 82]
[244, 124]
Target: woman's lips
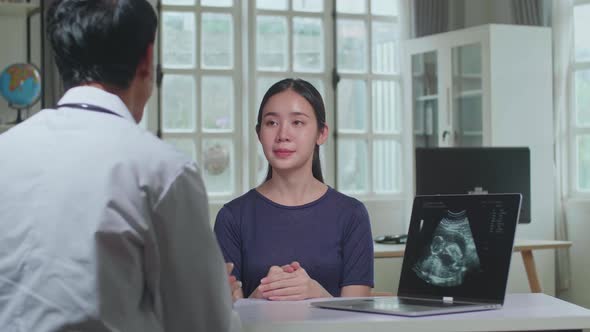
[283, 153]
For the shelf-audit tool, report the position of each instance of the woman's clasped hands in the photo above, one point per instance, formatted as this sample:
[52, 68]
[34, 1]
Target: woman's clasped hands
[289, 283]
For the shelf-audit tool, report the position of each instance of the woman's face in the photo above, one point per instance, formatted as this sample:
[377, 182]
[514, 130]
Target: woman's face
[289, 132]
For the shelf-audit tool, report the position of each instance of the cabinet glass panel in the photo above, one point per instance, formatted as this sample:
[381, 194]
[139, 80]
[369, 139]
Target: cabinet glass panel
[467, 95]
[425, 99]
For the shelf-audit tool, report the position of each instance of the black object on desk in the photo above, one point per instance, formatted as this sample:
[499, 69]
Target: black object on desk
[391, 239]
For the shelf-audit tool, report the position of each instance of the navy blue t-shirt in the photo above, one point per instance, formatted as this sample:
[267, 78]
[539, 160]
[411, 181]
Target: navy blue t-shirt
[330, 237]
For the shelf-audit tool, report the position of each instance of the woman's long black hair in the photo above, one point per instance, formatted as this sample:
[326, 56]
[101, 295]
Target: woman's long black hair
[313, 97]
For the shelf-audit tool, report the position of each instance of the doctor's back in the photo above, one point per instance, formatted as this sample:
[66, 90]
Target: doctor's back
[104, 227]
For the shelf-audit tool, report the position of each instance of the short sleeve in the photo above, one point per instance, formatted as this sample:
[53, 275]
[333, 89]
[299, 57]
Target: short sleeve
[357, 249]
[227, 231]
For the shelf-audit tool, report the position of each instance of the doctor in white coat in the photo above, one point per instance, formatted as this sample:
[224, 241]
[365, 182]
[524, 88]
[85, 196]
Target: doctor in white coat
[103, 227]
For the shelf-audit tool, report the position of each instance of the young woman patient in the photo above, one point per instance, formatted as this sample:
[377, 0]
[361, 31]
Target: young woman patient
[293, 237]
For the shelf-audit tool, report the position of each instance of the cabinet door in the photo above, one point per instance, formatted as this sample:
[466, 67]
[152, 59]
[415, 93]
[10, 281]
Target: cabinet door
[467, 100]
[425, 99]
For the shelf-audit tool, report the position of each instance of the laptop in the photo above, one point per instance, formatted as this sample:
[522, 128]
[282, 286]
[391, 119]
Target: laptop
[457, 257]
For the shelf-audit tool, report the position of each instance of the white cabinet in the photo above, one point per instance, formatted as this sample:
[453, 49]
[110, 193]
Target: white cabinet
[479, 86]
[489, 85]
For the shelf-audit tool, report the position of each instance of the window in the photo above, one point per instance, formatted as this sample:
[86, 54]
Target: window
[220, 56]
[368, 111]
[580, 115]
[201, 98]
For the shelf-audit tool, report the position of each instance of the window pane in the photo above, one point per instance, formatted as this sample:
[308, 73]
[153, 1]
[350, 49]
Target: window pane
[217, 41]
[385, 107]
[262, 85]
[179, 103]
[384, 7]
[184, 145]
[581, 35]
[582, 82]
[351, 6]
[178, 40]
[217, 3]
[218, 105]
[386, 166]
[583, 154]
[178, 2]
[352, 105]
[308, 44]
[352, 46]
[308, 5]
[271, 43]
[319, 85]
[218, 166]
[352, 166]
[383, 48]
[271, 4]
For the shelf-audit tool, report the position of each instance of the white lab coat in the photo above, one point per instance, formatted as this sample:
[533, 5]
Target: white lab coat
[103, 227]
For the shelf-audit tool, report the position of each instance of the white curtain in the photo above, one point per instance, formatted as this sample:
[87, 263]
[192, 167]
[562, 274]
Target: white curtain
[563, 50]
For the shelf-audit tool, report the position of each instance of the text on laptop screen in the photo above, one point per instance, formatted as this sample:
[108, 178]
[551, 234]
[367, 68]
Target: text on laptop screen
[460, 247]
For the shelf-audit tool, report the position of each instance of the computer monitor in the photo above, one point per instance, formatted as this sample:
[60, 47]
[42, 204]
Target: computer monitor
[476, 170]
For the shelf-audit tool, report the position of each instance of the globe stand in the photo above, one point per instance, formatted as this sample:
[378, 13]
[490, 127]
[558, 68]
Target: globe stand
[19, 117]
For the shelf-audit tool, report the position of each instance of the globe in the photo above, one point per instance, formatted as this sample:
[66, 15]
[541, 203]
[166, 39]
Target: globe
[20, 85]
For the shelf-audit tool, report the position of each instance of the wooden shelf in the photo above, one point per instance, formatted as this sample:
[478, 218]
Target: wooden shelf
[16, 9]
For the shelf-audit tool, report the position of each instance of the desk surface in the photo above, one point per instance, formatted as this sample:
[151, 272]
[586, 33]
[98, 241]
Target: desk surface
[521, 312]
[397, 250]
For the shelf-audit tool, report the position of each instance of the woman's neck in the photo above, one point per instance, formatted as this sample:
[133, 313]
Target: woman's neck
[291, 190]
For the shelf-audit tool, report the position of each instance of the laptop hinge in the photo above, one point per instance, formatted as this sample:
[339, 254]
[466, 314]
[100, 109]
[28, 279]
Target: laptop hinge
[447, 299]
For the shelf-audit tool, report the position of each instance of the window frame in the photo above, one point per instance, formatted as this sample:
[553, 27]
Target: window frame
[575, 131]
[245, 77]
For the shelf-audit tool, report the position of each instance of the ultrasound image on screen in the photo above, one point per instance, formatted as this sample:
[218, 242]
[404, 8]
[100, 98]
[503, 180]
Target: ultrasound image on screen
[451, 254]
[459, 246]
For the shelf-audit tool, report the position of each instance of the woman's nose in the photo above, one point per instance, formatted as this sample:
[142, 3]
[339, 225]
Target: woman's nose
[283, 133]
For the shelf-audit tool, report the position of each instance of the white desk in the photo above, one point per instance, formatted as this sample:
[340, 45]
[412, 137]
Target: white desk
[521, 312]
[525, 247]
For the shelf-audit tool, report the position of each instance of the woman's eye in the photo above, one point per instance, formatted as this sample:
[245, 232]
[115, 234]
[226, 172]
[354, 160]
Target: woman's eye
[271, 123]
[298, 123]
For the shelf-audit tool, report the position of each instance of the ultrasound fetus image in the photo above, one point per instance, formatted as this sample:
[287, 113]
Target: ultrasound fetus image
[452, 253]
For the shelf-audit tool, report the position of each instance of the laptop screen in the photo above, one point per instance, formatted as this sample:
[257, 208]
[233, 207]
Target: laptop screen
[460, 246]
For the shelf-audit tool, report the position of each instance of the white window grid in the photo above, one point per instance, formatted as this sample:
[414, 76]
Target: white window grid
[199, 136]
[369, 135]
[245, 75]
[578, 131]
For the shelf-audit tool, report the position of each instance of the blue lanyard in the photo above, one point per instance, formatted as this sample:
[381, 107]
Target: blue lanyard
[88, 107]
